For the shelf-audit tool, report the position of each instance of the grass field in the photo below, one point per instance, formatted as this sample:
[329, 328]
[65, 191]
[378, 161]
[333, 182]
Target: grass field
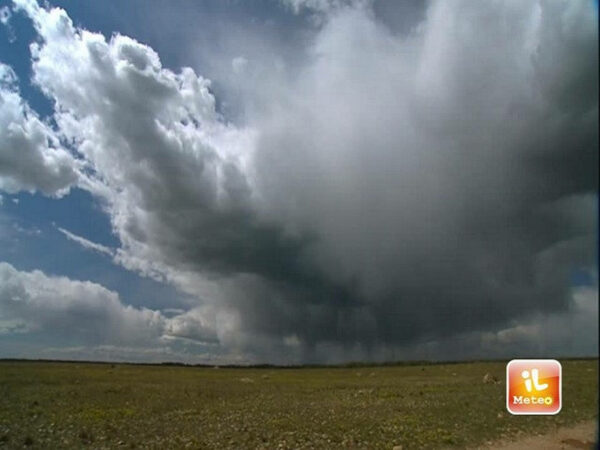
[70, 405]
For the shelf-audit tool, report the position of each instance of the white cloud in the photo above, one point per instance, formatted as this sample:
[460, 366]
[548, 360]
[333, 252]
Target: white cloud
[27, 230]
[5, 15]
[31, 156]
[85, 243]
[322, 6]
[87, 314]
[79, 310]
[155, 145]
[196, 325]
[111, 353]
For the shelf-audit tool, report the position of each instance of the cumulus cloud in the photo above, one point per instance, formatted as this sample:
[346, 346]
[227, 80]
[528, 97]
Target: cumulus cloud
[158, 153]
[84, 311]
[31, 157]
[399, 188]
[193, 325]
[86, 314]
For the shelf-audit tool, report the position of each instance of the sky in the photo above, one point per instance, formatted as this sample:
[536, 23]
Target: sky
[298, 181]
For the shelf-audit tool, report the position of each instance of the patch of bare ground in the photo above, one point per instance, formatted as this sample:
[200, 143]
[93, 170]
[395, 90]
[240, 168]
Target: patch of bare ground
[581, 436]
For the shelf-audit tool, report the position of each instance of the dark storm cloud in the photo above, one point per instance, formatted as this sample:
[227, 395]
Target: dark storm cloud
[423, 174]
[424, 163]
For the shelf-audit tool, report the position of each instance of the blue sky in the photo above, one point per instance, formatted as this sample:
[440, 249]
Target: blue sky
[331, 180]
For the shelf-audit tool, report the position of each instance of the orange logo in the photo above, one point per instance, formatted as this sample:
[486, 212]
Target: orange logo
[533, 386]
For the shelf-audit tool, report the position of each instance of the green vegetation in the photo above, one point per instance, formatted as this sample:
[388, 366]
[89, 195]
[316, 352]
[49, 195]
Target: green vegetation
[71, 405]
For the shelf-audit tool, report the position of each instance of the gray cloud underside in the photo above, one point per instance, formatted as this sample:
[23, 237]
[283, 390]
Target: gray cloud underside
[396, 188]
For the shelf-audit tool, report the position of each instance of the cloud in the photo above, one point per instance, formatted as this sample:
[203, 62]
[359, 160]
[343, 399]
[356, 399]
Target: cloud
[83, 311]
[5, 15]
[193, 325]
[31, 157]
[321, 6]
[571, 333]
[238, 65]
[66, 311]
[420, 164]
[87, 244]
[396, 189]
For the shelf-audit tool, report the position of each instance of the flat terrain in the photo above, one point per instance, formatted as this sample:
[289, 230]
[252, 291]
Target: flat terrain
[70, 405]
[583, 435]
